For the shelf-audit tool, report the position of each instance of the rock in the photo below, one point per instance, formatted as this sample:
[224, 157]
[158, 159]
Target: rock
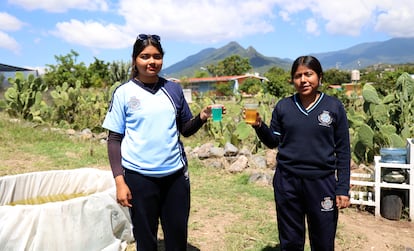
[261, 178]
[70, 132]
[239, 165]
[230, 149]
[258, 161]
[215, 163]
[246, 152]
[204, 151]
[217, 152]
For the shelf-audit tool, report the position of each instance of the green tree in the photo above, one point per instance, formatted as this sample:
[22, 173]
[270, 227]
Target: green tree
[99, 73]
[251, 86]
[369, 76]
[336, 77]
[67, 70]
[224, 89]
[279, 82]
[200, 74]
[230, 66]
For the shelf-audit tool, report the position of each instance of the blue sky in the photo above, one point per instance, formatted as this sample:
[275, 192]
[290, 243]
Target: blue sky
[32, 32]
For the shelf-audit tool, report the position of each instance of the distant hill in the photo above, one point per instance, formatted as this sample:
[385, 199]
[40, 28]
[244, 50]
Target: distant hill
[191, 64]
[393, 51]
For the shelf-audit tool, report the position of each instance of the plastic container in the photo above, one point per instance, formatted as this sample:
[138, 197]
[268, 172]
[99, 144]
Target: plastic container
[217, 111]
[393, 155]
[391, 207]
[93, 221]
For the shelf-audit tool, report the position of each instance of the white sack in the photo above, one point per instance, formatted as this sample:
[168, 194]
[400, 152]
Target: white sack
[92, 222]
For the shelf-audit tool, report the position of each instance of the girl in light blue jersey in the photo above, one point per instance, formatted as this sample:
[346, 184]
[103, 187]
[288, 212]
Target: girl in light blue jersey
[145, 119]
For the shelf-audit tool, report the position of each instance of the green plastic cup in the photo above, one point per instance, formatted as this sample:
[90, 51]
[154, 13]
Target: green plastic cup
[217, 111]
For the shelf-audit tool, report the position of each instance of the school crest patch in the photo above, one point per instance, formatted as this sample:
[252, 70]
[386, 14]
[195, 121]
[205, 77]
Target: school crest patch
[133, 103]
[327, 204]
[325, 119]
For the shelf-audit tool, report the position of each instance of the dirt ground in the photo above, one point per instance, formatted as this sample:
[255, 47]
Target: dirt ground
[363, 231]
[358, 230]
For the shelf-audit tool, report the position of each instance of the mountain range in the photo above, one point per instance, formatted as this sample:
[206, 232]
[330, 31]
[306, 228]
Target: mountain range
[392, 51]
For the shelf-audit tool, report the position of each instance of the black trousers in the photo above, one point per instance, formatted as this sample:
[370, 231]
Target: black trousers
[165, 199]
[298, 199]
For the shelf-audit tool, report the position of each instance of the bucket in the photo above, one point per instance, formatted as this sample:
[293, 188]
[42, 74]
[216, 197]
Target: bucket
[393, 155]
[391, 207]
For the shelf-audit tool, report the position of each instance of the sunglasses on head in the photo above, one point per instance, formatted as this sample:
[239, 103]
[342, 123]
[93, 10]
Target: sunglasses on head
[143, 37]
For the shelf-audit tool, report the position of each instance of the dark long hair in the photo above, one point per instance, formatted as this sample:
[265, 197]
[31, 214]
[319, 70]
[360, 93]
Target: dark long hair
[309, 61]
[139, 46]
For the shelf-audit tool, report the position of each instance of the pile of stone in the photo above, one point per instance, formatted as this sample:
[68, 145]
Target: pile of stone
[259, 166]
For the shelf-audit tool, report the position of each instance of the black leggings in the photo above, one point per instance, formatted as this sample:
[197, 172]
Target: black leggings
[166, 199]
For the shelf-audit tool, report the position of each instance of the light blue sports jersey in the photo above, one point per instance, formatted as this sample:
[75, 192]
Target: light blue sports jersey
[151, 143]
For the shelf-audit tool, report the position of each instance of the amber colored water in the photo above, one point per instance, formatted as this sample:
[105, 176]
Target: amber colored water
[250, 115]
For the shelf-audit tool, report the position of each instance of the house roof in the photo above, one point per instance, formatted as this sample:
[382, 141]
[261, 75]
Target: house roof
[10, 68]
[220, 78]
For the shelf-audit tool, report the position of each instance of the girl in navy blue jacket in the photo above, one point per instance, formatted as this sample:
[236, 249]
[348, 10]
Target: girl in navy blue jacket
[312, 176]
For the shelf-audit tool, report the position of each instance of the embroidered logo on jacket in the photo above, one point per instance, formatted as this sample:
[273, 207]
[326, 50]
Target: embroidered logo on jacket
[327, 204]
[325, 119]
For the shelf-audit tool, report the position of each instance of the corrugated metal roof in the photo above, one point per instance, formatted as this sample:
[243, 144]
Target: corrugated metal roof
[220, 78]
[10, 68]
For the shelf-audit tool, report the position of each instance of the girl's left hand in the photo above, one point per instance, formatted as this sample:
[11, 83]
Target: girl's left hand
[342, 201]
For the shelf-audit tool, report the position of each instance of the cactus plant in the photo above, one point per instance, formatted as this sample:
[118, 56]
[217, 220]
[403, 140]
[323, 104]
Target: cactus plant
[383, 122]
[23, 94]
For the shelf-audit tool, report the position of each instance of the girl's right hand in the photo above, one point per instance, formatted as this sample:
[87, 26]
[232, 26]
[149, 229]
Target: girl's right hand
[123, 194]
[258, 121]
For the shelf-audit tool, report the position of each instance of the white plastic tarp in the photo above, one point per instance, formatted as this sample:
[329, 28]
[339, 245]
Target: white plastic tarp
[91, 222]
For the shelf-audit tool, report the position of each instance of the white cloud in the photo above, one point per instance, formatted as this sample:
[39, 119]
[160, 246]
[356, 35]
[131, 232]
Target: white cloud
[201, 21]
[312, 27]
[352, 16]
[62, 6]
[9, 22]
[207, 21]
[9, 43]
[92, 34]
[397, 19]
[345, 18]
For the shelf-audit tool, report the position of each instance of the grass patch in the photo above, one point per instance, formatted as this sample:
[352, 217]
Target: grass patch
[28, 148]
[226, 209]
[247, 209]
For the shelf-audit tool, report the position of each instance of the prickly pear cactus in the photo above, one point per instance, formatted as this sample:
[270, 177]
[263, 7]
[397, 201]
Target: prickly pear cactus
[383, 121]
[23, 94]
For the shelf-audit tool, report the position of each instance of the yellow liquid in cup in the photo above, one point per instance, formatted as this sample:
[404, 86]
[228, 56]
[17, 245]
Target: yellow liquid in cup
[251, 115]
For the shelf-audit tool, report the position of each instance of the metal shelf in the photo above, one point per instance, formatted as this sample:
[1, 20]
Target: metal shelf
[363, 202]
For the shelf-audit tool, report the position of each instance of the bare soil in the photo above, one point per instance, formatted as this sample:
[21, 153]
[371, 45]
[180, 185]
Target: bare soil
[361, 230]
[357, 229]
